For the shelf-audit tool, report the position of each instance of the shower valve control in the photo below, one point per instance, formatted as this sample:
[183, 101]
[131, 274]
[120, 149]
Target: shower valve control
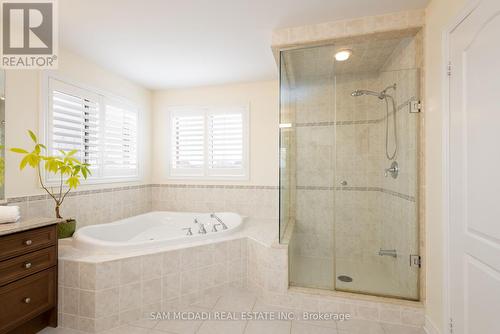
[393, 171]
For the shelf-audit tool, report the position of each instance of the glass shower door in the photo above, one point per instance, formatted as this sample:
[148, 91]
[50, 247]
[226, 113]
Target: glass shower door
[376, 211]
[307, 135]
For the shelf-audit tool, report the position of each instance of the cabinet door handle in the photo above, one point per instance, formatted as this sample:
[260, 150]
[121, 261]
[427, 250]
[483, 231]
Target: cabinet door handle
[27, 300]
[28, 242]
[27, 265]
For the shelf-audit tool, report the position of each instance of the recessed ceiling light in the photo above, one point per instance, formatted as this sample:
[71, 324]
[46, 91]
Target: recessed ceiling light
[343, 55]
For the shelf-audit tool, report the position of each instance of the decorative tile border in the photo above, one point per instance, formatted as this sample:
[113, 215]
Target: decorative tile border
[383, 190]
[364, 121]
[75, 193]
[213, 186]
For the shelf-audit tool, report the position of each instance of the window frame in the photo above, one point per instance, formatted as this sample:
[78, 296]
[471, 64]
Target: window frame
[45, 123]
[206, 174]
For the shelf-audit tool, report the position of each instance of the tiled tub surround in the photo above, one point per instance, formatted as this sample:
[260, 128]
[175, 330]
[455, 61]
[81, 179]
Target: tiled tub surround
[252, 201]
[106, 205]
[90, 207]
[103, 291]
[96, 296]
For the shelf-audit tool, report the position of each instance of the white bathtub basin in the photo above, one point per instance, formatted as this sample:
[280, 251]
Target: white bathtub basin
[153, 229]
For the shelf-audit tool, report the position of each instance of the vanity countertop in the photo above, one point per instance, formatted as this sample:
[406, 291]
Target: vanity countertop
[26, 224]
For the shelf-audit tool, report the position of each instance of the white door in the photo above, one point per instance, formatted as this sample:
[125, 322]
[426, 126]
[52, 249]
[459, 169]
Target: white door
[475, 171]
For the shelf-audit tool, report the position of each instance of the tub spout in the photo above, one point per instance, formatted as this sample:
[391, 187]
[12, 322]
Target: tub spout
[224, 226]
[388, 252]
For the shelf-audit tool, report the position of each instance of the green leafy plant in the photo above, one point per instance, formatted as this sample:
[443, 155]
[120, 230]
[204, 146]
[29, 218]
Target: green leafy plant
[65, 166]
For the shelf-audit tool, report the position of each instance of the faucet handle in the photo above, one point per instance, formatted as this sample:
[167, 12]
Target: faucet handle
[202, 229]
[196, 220]
[189, 232]
[214, 227]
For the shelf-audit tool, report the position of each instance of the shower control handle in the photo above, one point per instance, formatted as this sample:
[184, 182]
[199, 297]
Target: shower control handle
[393, 171]
[202, 229]
[188, 229]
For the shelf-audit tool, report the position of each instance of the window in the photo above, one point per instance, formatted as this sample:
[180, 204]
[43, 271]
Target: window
[119, 140]
[209, 143]
[103, 129]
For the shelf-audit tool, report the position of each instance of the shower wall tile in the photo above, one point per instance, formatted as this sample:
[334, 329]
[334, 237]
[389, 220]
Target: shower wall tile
[314, 102]
[315, 156]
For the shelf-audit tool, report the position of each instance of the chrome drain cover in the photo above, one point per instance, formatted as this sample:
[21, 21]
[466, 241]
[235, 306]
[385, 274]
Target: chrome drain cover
[345, 278]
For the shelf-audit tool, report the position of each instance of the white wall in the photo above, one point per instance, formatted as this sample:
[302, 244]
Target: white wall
[23, 105]
[439, 15]
[263, 100]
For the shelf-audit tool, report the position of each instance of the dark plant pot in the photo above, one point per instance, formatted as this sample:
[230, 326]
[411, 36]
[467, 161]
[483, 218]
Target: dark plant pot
[66, 229]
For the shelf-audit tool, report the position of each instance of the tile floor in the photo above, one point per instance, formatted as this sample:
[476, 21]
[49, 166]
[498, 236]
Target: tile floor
[237, 300]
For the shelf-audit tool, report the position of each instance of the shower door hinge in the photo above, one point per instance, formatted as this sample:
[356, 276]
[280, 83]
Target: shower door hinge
[451, 326]
[448, 69]
[415, 261]
[415, 106]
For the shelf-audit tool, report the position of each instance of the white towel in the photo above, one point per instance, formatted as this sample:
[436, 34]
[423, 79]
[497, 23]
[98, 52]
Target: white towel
[9, 214]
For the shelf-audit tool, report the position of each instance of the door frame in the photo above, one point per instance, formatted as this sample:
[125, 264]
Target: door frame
[468, 8]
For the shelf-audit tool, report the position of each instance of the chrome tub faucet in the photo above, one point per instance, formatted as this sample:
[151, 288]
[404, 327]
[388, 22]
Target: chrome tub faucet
[224, 226]
[202, 229]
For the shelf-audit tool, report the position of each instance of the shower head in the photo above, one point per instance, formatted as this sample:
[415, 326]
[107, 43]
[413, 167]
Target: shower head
[362, 92]
[381, 95]
[357, 92]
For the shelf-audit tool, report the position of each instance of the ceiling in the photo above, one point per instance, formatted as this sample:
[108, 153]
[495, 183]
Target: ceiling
[171, 44]
[314, 65]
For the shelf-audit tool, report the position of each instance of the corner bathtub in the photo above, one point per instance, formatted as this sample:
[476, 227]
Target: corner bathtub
[153, 229]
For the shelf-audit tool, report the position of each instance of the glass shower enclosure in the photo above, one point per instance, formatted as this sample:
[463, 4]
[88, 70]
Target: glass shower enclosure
[349, 165]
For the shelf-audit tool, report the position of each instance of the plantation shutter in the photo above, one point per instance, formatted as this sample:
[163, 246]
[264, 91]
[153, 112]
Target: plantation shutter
[209, 142]
[75, 123]
[226, 142]
[120, 140]
[188, 143]
[103, 130]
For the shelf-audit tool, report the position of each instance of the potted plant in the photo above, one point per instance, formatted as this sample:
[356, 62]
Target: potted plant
[69, 171]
